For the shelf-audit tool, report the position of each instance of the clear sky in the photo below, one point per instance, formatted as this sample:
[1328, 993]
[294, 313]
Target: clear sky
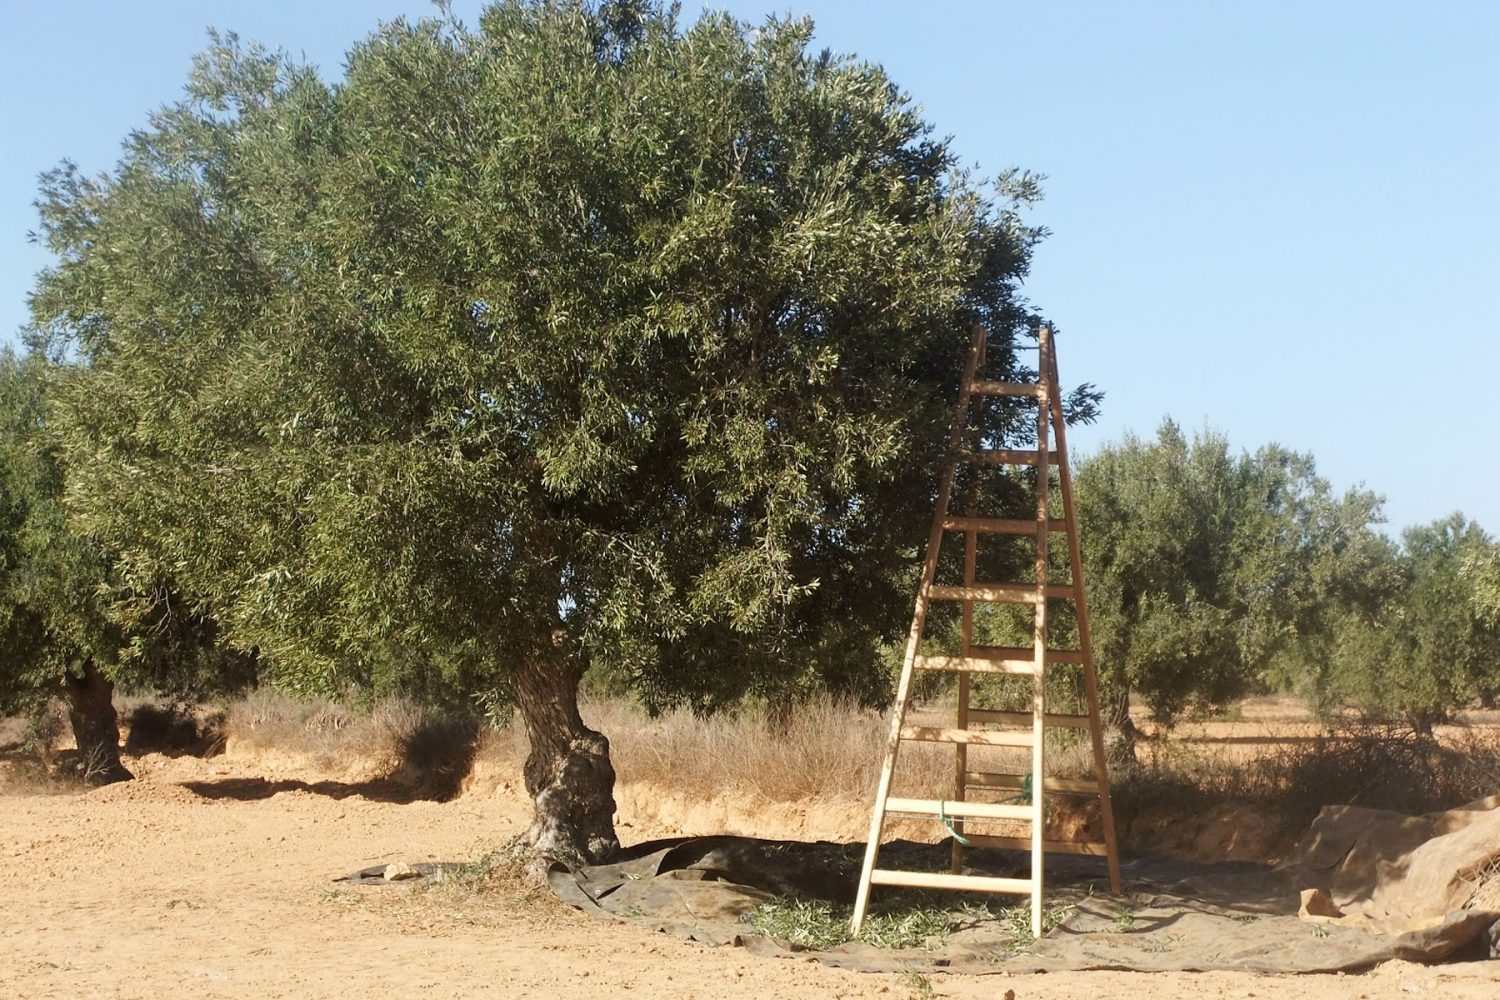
[1280, 219]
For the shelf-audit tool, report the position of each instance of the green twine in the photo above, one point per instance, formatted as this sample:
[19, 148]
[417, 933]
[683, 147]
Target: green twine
[943, 817]
[1023, 797]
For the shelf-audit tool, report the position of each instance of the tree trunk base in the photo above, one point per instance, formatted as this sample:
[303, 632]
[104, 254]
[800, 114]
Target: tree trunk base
[568, 772]
[96, 728]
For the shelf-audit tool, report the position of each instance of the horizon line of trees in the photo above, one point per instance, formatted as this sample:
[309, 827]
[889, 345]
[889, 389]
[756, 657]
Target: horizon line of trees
[1211, 576]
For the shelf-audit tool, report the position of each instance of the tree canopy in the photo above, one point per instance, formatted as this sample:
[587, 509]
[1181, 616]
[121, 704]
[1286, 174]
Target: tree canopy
[581, 339]
[1212, 575]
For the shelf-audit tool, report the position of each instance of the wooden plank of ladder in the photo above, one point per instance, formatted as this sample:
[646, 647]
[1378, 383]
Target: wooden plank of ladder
[914, 635]
[988, 387]
[1001, 593]
[1000, 525]
[977, 737]
[974, 665]
[944, 807]
[1085, 640]
[944, 880]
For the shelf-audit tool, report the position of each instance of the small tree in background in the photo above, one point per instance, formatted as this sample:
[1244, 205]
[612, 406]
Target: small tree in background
[581, 340]
[69, 625]
[1212, 575]
[1426, 645]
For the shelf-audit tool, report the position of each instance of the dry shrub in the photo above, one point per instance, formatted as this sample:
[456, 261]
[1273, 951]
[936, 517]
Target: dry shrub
[1376, 767]
[43, 727]
[821, 748]
[175, 730]
[427, 751]
[330, 735]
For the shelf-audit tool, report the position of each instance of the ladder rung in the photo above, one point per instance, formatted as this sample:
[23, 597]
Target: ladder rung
[1093, 848]
[1000, 525]
[976, 664]
[1017, 782]
[960, 809]
[981, 737]
[998, 593]
[1025, 719]
[943, 880]
[988, 387]
[1025, 653]
[1009, 456]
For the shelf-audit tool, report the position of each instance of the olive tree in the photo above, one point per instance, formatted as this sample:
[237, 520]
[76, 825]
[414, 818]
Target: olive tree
[1212, 574]
[70, 625]
[1425, 645]
[582, 338]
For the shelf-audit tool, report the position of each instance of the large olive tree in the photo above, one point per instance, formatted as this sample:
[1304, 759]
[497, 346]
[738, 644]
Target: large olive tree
[581, 338]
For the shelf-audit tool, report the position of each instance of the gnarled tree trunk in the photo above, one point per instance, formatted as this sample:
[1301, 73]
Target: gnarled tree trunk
[568, 773]
[1120, 734]
[96, 728]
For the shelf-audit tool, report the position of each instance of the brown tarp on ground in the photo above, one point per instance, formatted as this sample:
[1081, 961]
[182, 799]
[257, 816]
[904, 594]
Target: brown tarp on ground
[1407, 887]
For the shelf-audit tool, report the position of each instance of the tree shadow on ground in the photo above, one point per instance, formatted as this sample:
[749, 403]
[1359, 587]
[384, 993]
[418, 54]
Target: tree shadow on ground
[176, 730]
[252, 789]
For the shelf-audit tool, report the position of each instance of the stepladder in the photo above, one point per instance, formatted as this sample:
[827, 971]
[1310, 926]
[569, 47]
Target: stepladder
[1004, 498]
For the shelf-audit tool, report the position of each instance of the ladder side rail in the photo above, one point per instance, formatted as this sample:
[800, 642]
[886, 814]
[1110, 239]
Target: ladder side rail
[914, 636]
[1038, 678]
[1085, 640]
[961, 754]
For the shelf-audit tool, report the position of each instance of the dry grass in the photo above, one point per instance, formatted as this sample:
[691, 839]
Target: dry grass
[429, 752]
[822, 748]
[1373, 766]
[830, 751]
[328, 734]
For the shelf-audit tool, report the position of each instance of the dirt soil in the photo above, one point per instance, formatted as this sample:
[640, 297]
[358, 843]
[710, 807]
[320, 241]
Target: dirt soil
[213, 878]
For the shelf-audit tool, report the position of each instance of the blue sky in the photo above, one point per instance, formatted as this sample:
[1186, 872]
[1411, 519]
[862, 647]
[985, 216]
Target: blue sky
[1278, 219]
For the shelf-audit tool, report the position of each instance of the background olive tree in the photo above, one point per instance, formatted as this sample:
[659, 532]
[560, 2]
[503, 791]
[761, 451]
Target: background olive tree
[71, 625]
[1213, 575]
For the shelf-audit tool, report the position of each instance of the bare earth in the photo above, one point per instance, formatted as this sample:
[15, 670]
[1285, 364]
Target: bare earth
[212, 878]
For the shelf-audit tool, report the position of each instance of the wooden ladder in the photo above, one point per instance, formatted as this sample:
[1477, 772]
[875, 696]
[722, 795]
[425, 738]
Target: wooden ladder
[982, 727]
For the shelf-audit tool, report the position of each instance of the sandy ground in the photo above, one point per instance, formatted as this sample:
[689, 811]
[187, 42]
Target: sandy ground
[212, 878]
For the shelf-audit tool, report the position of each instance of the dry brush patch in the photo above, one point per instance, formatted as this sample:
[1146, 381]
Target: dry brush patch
[811, 772]
[1187, 799]
[430, 753]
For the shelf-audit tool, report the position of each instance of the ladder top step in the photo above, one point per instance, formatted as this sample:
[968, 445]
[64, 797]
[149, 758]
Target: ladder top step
[979, 737]
[1009, 456]
[989, 387]
[1001, 525]
[960, 809]
[943, 880]
[976, 664]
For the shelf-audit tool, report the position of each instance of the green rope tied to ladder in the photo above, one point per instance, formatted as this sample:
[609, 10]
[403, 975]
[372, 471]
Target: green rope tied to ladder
[943, 818]
[1023, 797]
